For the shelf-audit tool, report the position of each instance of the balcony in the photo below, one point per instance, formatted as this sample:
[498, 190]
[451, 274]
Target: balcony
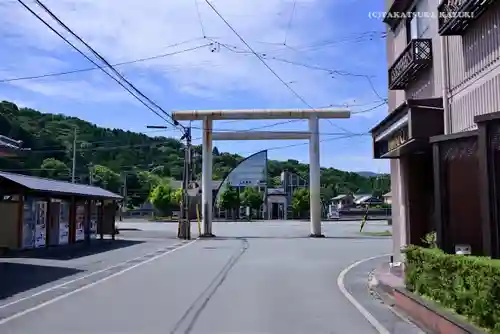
[415, 57]
[455, 16]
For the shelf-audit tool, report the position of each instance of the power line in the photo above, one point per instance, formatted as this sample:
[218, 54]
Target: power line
[368, 110]
[96, 68]
[233, 48]
[105, 148]
[89, 59]
[290, 21]
[96, 54]
[137, 91]
[199, 18]
[362, 37]
[264, 62]
[306, 143]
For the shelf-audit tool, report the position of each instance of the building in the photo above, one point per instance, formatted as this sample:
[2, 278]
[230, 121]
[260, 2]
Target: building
[38, 212]
[289, 183]
[364, 200]
[387, 198]
[10, 147]
[442, 130]
[342, 201]
[277, 204]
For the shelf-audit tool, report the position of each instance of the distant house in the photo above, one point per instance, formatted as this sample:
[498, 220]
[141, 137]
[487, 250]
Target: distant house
[10, 147]
[277, 204]
[388, 198]
[366, 200]
[342, 201]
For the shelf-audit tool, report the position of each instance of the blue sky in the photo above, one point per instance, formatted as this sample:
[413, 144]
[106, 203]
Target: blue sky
[335, 35]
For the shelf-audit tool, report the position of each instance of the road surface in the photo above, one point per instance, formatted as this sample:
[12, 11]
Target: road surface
[263, 277]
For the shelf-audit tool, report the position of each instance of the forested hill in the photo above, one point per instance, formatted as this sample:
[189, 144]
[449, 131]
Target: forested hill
[50, 138]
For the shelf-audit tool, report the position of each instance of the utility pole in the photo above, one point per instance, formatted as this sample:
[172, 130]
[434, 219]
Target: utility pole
[74, 157]
[185, 222]
[184, 230]
[125, 197]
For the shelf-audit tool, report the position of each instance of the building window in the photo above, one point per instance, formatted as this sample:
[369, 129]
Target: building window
[417, 26]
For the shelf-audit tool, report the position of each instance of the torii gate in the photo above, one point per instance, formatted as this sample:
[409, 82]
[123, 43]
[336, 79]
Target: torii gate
[208, 116]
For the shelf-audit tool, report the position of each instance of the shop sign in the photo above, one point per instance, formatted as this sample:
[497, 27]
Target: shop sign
[398, 139]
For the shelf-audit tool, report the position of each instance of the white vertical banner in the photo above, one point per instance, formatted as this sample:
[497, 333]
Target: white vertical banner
[64, 222]
[29, 217]
[80, 222]
[41, 224]
[93, 219]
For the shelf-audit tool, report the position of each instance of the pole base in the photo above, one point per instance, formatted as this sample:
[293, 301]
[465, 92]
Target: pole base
[316, 235]
[207, 235]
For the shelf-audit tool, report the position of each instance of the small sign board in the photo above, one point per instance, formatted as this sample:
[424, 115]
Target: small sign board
[462, 249]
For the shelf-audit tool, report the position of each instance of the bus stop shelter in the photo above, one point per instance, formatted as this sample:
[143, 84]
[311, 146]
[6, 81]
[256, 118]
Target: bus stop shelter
[38, 212]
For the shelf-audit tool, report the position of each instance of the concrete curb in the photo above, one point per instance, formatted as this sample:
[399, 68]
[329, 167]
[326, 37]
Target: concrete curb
[430, 316]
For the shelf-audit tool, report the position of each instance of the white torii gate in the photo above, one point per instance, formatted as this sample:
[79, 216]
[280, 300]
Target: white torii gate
[208, 116]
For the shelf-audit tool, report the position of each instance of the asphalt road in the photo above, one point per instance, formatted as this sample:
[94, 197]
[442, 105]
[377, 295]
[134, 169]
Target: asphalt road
[263, 277]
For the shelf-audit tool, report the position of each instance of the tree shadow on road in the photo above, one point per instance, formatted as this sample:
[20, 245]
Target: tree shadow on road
[19, 277]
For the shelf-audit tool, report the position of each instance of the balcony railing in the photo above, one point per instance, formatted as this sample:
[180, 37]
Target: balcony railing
[455, 16]
[415, 57]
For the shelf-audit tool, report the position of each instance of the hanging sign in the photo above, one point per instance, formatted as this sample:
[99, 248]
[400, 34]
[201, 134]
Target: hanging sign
[399, 138]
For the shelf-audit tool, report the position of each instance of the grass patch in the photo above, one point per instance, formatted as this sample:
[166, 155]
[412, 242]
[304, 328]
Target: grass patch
[385, 233]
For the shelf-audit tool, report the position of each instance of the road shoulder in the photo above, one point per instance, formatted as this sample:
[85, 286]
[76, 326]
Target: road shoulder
[355, 282]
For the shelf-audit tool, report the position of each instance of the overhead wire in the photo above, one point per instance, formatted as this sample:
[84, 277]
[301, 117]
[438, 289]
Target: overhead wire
[157, 143]
[290, 21]
[47, 75]
[233, 48]
[263, 61]
[111, 66]
[306, 143]
[101, 58]
[199, 18]
[91, 60]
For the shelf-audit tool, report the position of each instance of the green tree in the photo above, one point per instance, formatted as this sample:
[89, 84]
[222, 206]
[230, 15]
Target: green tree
[300, 201]
[377, 193]
[230, 200]
[55, 169]
[40, 130]
[177, 196]
[162, 198]
[105, 178]
[251, 198]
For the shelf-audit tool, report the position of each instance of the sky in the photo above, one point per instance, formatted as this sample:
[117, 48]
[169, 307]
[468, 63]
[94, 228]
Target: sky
[325, 53]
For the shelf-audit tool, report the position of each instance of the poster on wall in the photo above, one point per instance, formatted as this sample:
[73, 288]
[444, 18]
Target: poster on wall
[80, 222]
[64, 223]
[93, 220]
[28, 236]
[41, 221]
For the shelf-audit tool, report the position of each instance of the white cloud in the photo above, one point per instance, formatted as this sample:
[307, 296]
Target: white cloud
[131, 29]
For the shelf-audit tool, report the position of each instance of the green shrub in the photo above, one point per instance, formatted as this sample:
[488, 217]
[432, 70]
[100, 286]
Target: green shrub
[466, 284]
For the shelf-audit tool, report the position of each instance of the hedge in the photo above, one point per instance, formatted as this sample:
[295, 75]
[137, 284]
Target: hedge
[466, 284]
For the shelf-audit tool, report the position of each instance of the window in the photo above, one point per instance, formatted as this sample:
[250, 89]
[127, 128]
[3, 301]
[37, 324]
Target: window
[417, 26]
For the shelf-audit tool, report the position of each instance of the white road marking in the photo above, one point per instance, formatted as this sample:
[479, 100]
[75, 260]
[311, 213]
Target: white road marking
[340, 282]
[80, 278]
[88, 286]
